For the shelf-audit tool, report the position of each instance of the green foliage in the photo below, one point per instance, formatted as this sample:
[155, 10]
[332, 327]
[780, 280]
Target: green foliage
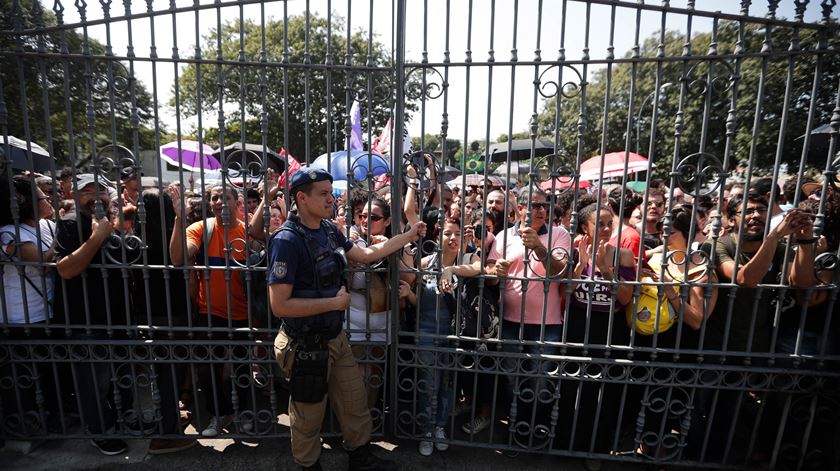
[517, 135]
[302, 126]
[691, 76]
[431, 144]
[69, 90]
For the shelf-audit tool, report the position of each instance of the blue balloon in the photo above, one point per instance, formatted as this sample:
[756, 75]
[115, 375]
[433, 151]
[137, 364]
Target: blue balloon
[336, 163]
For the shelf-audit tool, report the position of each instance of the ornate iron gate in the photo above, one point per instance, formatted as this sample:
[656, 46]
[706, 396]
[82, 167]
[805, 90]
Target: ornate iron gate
[722, 368]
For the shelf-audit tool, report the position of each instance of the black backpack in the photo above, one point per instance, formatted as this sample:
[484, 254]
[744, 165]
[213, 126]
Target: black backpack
[479, 308]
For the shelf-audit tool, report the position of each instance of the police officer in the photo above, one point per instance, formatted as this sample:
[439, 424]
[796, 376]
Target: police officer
[307, 257]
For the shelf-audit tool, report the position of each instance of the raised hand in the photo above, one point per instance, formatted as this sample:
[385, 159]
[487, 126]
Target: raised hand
[601, 260]
[411, 172]
[405, 289]
[376, 239]
[418, 231]
[502, 267]
[272, 177]
[648, 273]
[585, 250]
[469, 234]
[101, 228]
[446, 280]
[273, 189]
[530, 238]
[174, 192]
[805, 227]
[796, 221]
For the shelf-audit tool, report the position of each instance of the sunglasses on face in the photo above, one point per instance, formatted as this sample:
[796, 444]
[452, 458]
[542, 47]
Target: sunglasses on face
[658, 204]
[536, 206]
[373, 217]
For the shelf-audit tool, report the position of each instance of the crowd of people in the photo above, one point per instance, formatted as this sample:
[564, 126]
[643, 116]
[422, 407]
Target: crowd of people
[609, 272]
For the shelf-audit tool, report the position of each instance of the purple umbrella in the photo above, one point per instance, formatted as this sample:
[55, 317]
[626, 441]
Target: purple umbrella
[190, 157]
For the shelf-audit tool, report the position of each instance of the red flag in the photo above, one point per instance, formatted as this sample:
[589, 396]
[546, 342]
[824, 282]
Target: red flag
[382, 144]
[292, 166]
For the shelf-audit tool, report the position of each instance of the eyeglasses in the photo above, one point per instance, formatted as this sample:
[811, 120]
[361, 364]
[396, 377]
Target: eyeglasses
[373, 217]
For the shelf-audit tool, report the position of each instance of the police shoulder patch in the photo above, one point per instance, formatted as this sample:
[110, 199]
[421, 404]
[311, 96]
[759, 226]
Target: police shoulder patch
[279, 269]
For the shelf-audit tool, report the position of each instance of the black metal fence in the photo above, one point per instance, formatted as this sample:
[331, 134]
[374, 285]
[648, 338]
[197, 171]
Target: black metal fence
[709, 339]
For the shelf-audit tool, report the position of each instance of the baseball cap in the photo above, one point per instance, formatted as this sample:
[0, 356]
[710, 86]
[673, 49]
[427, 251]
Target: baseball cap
[85, 179]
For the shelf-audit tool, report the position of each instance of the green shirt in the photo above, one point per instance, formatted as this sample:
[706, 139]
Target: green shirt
[746, 302]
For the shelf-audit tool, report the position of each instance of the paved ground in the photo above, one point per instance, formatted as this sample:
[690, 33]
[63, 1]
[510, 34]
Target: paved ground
[273, 454]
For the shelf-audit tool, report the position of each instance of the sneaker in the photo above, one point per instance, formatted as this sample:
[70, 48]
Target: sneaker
[109, 446]
[478, 424]
[440, 439]
[426, 447]
[161, 446]
[216, 426]
[363, 459]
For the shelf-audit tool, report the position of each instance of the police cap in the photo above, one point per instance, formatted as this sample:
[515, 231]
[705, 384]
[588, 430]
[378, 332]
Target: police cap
[308, 175]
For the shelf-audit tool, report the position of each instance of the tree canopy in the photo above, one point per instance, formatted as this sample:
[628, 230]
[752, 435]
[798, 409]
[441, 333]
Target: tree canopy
[432, 144]
[296, 117]
[694, 82]
[68, 90]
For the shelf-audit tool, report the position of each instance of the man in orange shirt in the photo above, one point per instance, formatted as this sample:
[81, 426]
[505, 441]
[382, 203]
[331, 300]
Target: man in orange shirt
[221, 240]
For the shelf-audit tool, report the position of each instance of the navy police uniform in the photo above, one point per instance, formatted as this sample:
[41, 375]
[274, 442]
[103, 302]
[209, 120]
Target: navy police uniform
[313, 351]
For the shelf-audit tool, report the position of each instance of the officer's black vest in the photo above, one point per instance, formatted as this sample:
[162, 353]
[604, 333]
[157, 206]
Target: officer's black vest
[328, 268]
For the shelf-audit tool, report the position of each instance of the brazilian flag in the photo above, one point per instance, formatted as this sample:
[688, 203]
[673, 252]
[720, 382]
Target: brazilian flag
[473, 164]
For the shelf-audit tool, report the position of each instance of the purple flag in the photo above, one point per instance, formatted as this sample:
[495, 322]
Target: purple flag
[356, 130]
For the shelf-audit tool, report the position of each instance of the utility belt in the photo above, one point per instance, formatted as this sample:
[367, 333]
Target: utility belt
[309, 376]
[324, 327]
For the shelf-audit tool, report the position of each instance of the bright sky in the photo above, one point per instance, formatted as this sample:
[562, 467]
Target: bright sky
[511, 94]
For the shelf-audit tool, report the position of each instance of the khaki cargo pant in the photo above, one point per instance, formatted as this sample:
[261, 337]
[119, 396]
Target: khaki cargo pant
[346, 391]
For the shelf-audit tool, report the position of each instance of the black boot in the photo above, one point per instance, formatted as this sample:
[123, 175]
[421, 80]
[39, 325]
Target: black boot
[362, 459]
[314, 467]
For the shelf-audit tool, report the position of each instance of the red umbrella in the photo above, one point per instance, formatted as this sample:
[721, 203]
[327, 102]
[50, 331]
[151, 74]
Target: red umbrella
[562, 184]
[613, 165]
